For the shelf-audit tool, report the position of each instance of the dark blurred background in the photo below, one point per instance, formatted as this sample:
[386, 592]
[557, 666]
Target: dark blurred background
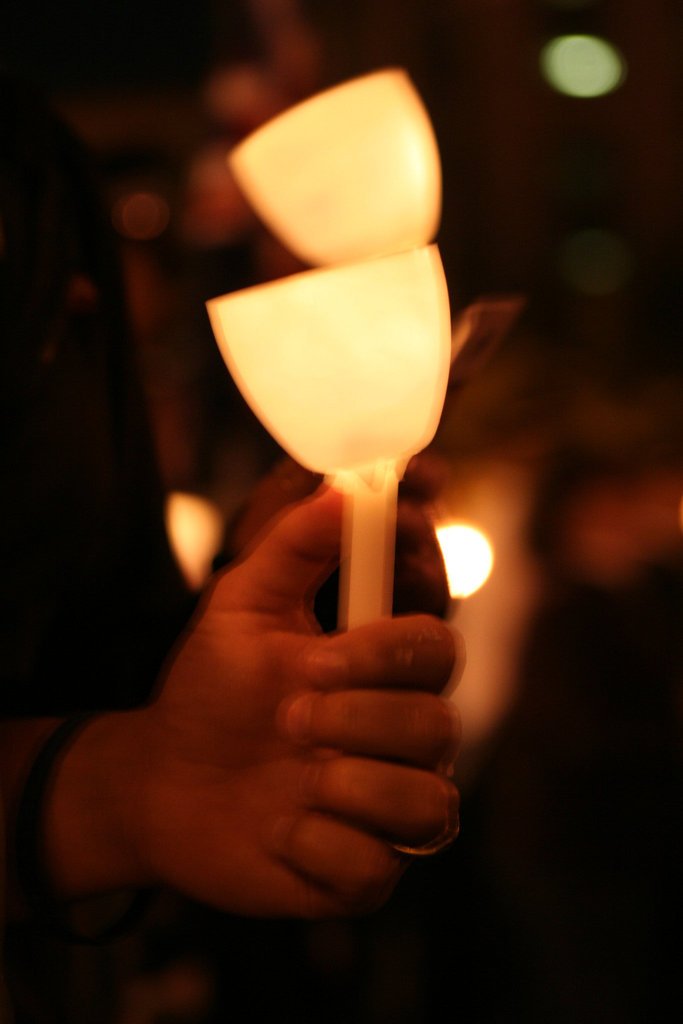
[574, 202]
[562, 899]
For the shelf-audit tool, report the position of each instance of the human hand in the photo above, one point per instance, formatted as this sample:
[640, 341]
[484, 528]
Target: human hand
[283, 746]
[277, 766]
[420, 583]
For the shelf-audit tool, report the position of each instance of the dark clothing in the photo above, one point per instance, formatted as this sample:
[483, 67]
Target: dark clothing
[90, 598]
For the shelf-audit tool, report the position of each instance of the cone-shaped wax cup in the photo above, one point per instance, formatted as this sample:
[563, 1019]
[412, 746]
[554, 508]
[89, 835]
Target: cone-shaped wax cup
[352, 172]
[345, 366]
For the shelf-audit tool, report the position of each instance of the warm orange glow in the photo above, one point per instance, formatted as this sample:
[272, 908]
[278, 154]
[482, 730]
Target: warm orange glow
[352, 172]
[194, 527]
[345, 366]
[467, 555]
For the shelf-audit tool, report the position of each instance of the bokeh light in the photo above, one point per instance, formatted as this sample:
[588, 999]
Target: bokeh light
[194, 527]
[595, 261]
[467, 555]
[583, 66]
[141, 216]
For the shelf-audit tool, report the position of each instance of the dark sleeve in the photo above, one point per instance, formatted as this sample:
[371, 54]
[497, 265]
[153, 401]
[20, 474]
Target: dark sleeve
[90, 598]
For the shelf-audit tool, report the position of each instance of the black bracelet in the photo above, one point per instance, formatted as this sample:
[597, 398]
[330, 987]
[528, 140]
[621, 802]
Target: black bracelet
[29, 847]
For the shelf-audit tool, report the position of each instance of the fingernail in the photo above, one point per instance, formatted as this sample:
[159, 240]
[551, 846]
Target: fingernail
[298, 718]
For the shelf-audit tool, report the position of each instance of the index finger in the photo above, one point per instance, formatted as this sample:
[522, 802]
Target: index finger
[417, 652]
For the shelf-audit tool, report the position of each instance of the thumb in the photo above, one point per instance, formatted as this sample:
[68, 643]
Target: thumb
[292, 558]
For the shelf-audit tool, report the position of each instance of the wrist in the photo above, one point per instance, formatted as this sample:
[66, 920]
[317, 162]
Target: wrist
[91, 813]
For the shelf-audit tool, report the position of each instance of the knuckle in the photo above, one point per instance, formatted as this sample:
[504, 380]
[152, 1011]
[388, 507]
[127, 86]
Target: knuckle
[435, 726]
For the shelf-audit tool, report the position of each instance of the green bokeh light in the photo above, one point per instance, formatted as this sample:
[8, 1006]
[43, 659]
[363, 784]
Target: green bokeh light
[595, 261]
[582, 66]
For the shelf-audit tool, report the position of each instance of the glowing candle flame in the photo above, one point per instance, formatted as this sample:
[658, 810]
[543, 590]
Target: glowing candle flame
[467, 555]
[194, 527]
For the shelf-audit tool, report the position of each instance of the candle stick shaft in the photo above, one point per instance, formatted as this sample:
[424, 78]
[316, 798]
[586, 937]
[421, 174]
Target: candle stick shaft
[368, 541]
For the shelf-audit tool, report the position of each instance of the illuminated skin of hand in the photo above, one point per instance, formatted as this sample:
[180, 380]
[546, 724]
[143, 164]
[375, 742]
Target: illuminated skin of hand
[420, 583]
[276, 765]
